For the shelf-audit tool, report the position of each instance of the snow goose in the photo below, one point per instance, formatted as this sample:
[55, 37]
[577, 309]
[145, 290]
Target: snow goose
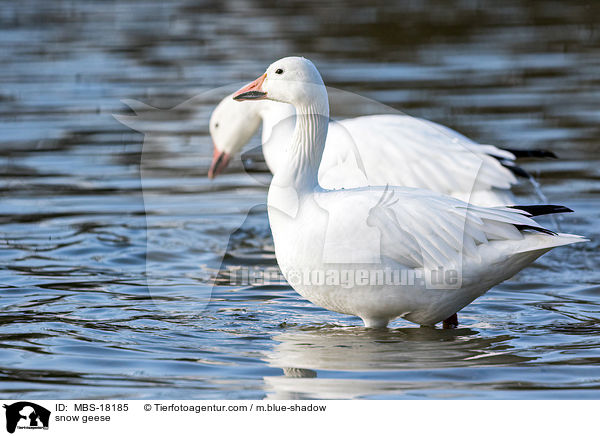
[375, 150]
[383, 252]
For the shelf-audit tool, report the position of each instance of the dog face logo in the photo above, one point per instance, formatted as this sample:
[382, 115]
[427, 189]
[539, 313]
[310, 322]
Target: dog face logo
[26, 415]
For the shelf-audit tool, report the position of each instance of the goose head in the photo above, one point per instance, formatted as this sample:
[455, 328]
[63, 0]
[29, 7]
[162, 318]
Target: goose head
[231, 126]
[293, 80]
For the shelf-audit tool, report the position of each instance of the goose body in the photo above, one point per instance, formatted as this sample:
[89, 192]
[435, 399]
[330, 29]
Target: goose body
[397, 248]
[323, 236]
[373, 150]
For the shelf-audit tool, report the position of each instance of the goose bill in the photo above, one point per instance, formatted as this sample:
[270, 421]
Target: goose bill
[252, 91]
[219, 163]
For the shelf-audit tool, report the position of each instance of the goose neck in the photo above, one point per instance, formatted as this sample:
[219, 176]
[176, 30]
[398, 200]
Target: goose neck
[306, 147]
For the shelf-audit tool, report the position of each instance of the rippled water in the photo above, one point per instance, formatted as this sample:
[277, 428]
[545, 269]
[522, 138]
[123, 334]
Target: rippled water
[109, 238]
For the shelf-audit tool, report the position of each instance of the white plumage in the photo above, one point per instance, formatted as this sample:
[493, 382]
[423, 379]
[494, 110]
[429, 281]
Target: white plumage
[321, 234]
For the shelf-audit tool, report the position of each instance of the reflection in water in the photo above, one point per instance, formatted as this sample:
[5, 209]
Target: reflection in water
[341, 363]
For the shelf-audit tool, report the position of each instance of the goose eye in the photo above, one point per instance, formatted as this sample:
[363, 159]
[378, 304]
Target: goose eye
[216, 125]
[278, 71]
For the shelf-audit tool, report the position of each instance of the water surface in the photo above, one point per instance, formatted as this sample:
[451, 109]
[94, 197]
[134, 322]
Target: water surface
[110, 238]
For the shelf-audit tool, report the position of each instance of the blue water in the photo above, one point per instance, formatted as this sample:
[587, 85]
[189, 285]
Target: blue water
[110, 239]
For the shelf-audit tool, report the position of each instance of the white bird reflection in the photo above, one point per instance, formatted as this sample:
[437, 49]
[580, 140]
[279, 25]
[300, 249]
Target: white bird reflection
[346, 363]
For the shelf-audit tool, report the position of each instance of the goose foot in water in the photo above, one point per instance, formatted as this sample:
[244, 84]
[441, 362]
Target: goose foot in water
[451, 322]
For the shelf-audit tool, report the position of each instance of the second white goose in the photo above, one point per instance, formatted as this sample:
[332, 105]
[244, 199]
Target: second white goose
[374, 150]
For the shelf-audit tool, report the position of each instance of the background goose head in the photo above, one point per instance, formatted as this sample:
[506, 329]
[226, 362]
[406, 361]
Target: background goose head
[231, 126]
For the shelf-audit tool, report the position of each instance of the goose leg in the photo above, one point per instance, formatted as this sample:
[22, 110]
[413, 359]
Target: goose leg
[375, 323]
[451, 322]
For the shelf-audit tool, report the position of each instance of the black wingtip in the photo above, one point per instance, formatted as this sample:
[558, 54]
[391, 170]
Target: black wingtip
[542, 209]
[532, 153]
[516, 170]
[522, 227]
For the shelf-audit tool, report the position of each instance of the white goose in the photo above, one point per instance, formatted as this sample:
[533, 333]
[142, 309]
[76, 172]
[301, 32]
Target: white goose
[383, 252]
[374, 150]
